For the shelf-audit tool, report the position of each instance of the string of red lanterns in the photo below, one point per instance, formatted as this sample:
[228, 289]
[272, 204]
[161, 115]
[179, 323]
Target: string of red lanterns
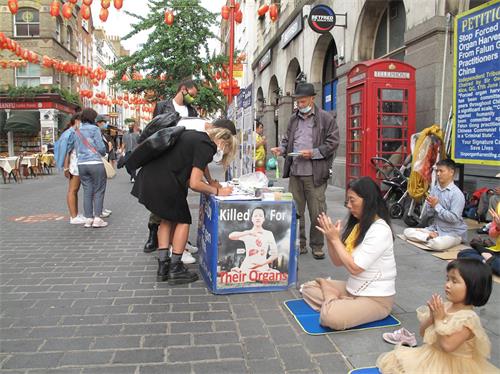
[72, 68]
[67, 9]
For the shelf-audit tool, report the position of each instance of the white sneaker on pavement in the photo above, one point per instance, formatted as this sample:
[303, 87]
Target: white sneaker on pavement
[88, 222]
[191, 248]
[78, 220]
[99, 222]
[187, 258]
[105, 213]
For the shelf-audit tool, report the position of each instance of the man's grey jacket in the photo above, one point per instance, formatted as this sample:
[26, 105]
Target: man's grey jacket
[325, 138]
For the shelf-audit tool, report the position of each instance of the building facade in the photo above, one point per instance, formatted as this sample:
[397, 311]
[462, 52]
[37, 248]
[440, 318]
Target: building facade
[29, 124]
[289, 51]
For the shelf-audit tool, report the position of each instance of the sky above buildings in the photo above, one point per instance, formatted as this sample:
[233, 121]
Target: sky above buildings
[119, 23]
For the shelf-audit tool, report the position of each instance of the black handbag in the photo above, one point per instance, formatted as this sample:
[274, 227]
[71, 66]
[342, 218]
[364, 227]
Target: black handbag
[159, 122]
[154, 146]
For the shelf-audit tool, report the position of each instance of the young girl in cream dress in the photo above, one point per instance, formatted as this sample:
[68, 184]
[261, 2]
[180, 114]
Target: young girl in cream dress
[454, 340]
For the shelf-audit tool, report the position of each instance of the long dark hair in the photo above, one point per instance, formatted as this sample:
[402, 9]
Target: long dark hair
[373, 206]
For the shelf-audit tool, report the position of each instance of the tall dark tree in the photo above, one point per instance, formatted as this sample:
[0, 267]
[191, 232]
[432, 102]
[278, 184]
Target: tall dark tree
[172, 53]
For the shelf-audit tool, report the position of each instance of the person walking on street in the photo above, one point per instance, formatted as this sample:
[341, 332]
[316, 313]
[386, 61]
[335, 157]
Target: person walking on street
[101, 122]
[90, 149]
[67, 160]
[309, 147]
[129, 143]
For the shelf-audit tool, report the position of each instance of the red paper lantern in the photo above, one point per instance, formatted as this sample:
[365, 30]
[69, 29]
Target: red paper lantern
[125, 78]
[105, 3]
[103, 14]
[169, 17]
[262, 10]
[13, 6]
[236, 7]
[55, 8]
[273, 12]
[87, 2]
[238, 17]
[118, 4]
[225, 12]
[67, 10]
[73, 1]
[85, 12]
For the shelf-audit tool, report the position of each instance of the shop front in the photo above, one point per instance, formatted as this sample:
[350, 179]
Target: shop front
[28, 127]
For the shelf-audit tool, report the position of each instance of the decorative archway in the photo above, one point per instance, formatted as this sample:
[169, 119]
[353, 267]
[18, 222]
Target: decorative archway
[273, 91]
[292, 73]
[318, 59]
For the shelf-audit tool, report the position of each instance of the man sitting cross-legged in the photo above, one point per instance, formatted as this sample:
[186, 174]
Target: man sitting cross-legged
[445, 205]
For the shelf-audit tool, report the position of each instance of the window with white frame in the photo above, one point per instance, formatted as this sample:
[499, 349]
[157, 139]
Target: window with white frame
[28, 75]
[27, 22]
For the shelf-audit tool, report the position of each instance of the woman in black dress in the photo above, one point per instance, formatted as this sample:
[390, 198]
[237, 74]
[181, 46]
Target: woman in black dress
[162, 187]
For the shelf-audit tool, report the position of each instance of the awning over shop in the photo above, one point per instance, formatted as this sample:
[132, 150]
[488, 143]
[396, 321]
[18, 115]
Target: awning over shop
[23, 121]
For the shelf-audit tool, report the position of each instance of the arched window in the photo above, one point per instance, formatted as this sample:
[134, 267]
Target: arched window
[58, 29]
[69, 38]
[27, 22]
[389, 39]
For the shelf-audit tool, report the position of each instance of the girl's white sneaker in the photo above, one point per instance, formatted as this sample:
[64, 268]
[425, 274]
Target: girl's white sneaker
[99, 222]
[88, 222]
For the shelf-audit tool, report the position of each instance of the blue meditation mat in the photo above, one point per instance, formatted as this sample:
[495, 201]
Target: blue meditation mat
[368, 370]
[308, 319]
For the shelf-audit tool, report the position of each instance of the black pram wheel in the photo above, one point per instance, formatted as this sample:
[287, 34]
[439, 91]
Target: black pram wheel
[396, 210]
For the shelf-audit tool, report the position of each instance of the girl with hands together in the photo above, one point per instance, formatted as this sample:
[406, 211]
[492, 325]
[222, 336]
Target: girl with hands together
[454, 340]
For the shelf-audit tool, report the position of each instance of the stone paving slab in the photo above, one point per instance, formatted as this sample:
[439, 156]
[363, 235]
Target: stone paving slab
[75, 300]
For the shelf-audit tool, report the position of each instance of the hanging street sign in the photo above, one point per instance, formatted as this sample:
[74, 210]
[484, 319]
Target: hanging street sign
[321, 19]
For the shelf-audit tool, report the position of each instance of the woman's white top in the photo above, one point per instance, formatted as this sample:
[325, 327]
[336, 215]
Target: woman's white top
[376, 255]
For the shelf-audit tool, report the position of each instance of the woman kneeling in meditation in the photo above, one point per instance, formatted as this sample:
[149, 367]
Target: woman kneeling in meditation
[365, 248]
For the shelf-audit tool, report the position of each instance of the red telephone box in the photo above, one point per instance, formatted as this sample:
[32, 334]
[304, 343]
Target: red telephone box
[380, 115]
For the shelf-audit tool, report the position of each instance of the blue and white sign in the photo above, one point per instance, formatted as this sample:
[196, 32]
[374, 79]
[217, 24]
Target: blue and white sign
[476, 88]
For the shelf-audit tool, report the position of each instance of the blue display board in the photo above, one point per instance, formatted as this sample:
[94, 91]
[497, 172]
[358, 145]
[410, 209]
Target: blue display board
[476, 88]
[247, 246]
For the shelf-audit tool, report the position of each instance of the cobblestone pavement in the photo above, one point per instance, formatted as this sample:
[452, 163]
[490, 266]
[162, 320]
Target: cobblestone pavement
[77, 300]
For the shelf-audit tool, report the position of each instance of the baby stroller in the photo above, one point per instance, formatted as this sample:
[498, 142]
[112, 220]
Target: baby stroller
[394, 183]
